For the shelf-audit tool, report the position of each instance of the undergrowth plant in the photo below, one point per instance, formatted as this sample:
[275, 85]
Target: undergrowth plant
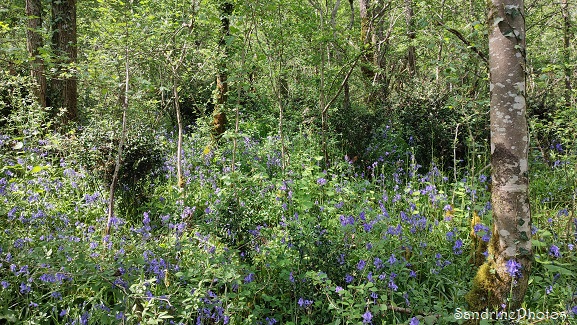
[387, 244]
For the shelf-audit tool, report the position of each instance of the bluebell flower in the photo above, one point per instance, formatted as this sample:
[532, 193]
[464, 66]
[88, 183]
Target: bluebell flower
[367, 317]
[392, 259]
[349, 278]
[361, 265]
[554, 251]
[304, 303]
[378, 263]
[414, 321]
[513, 268]
[249, 278]
[24, 288]
[457, 248]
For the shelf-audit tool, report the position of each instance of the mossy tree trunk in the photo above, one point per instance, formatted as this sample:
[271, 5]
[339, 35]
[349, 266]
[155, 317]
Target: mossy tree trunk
[63, 86]
[411, 34]
[501, 282]
[219, 121]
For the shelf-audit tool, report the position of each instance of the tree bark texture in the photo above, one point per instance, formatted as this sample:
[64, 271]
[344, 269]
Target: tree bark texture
[34, 42]
[367, 67]
[502, 280]
[63, 85]
[219, 121]
[567, 35]
[411, 34]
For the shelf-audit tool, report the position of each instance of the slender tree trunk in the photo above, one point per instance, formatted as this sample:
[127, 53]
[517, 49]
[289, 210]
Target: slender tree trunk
[179, 175]
[34, 43]
[219, 124]
[411, 55]
[381, 44]
[502, 280]
[114, 182]
[352, 20]
[324, 113]
[64, 91]
[367, 67]
[567, 50]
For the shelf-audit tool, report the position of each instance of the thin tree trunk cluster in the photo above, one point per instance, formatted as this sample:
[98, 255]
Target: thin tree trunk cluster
[58, 90]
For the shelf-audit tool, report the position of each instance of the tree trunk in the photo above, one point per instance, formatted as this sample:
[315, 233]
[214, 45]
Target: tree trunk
[63, 85]
[219, 122]
[118, 161]
[34, 43]
[501, 282]
[367, 67]
[567, 51]
[411, 56]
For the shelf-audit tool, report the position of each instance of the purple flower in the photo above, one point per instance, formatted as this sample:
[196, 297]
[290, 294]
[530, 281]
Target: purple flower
[321, 181]
[378, 263]
[361, 265]
[49, 278]
[349, 278]
[24, 288]
[303, 303]
[350, 220]
[249, 278]
[392, 259]
[513, 268]
[271, 321]
[554, 251]
[338, 289]
[4, 284]
[457, 248]
[367, 316]
[393, 286]
[414, 321]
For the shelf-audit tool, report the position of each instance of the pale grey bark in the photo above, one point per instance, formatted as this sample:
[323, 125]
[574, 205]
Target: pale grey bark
[509, 151]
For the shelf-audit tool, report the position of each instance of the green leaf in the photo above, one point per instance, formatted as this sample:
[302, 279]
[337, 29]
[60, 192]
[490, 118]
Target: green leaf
[558, 269]
[36, 169]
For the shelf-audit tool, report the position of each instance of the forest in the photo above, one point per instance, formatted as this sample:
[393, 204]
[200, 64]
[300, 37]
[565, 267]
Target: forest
[288, 162]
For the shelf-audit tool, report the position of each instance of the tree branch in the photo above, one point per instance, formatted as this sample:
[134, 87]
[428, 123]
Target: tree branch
[342, 84]
[460, 36]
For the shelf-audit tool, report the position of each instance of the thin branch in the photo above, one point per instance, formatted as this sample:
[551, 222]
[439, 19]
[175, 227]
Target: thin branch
[460, 36]
[342, 84]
